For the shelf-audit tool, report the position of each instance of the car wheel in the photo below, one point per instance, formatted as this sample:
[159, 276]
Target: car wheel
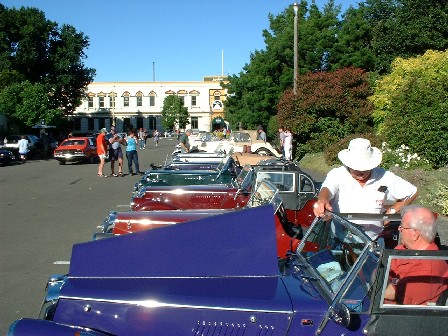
[62, 163]
[263, 151]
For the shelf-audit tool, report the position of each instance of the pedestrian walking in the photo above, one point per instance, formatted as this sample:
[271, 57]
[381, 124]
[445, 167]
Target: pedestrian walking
[141, 138]
[131, 153]
[146, 137]
[23, 148]
[156, 136]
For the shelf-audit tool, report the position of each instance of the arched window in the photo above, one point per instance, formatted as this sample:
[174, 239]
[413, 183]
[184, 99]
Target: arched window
[152, 98]
[139, 96]
[125, 96]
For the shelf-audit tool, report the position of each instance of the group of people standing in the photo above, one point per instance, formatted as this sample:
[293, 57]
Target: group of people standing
[109, 146]
[285, 136]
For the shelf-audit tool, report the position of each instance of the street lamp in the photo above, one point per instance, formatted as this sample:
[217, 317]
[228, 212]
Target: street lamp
[296, 65]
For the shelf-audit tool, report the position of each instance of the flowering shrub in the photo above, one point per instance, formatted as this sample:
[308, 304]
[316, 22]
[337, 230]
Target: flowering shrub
[402, 157]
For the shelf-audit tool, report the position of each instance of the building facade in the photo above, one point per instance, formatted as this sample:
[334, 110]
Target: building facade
[139, 105]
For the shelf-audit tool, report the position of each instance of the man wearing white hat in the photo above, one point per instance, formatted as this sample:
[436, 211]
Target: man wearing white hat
[360, 186]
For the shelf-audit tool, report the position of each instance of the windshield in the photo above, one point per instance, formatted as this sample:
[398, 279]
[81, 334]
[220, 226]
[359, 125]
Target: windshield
[240, 136]
[224, 164]
[244, 178]
[331, 248]
[282, 180]
[265, 193]
[73, 142]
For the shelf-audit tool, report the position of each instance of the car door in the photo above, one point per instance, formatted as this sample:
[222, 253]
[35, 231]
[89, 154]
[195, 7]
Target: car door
[402, 317]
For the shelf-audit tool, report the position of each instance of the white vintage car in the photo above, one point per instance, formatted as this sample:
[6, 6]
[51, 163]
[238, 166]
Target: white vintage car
[239, 141]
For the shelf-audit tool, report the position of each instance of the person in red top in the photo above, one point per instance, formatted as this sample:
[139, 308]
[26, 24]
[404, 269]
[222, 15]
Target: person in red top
[102, 148]
[417, 281]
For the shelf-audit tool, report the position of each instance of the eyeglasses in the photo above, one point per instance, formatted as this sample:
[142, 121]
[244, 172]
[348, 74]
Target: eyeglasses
[400, 227]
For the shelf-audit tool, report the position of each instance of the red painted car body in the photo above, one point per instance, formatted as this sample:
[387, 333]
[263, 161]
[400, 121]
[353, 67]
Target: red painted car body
[190, 197]
[214, 196]
[118, 223]
[76, 149]
[287, 233]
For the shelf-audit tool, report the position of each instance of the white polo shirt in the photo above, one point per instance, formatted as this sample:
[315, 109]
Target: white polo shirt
[348, 196]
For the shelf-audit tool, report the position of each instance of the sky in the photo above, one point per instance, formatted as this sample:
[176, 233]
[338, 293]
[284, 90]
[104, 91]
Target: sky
[166, 40]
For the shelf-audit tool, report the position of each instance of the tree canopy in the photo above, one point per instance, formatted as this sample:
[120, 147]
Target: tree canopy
[255, 91]
[406, 28]
[174, 113]
[42, 74]
[368, 37]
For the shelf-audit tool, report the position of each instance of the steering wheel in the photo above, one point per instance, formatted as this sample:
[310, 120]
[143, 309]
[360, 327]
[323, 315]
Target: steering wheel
[257, 200]
[348, 254]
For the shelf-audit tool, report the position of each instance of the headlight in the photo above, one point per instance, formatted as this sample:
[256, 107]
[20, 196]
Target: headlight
[51, 299]
[109, 222]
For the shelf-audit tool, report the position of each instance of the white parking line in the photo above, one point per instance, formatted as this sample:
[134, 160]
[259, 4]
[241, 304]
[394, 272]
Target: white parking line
[61, 262]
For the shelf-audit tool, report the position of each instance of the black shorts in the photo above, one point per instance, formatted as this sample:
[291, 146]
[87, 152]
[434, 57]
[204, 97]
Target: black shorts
[115, 154]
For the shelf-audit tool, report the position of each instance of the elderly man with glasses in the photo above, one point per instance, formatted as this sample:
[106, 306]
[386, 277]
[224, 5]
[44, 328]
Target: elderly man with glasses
[417, 281]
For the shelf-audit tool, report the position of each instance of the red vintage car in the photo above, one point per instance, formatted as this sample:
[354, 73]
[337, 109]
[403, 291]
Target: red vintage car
[288, 233]
[75, 150]
[218, 196]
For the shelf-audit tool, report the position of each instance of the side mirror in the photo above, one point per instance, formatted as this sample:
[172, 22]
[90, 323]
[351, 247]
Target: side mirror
[341, 314]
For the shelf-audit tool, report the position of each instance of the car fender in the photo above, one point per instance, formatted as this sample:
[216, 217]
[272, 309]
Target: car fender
[28, 327]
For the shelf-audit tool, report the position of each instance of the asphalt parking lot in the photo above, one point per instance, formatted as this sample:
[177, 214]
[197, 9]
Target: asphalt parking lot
[45, 209]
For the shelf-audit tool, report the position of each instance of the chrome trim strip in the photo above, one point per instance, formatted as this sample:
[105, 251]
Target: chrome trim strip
[173, 277]
[157, 304]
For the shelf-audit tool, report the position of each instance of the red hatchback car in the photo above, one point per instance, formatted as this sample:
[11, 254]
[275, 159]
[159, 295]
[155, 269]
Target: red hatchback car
[76, 149]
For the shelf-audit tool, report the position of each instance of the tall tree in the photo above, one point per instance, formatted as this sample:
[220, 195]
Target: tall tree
[353, 47]
[37, 52]
[174, 113]
[255, 91]
[406, 28]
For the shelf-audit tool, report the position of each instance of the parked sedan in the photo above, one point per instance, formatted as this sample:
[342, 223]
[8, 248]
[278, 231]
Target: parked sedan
[207, 277]
[75, 150]
[6, 157]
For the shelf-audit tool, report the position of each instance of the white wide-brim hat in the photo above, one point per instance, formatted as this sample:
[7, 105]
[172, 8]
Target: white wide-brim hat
[360, 155]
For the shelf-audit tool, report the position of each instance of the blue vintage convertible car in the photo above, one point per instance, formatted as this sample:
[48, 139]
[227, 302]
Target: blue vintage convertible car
[206, 277]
